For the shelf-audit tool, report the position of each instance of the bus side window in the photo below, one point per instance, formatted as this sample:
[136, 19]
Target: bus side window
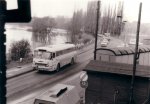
[72, 49]
[57, 53]
[64, 51]
[69, 50]
[60, 52]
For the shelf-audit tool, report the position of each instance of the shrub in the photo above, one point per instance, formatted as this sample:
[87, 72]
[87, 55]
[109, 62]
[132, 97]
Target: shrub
[19, 49]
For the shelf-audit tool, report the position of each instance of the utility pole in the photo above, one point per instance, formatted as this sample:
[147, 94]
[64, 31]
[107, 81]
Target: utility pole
[96, 30]
[131, 101]
[123, 29]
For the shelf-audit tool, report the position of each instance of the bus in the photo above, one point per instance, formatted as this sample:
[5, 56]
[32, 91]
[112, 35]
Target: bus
[53, 57]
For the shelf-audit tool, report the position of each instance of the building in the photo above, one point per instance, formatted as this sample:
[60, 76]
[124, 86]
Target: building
[124, 55]
[110, 83]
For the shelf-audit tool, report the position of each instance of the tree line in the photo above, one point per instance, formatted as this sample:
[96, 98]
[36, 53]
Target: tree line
[110, 19]
[81, 21]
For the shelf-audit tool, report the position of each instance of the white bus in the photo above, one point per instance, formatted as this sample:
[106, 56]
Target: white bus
[53, 57]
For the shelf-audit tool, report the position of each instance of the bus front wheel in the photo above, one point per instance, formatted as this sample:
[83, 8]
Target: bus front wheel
[72, 61]
[58, 67]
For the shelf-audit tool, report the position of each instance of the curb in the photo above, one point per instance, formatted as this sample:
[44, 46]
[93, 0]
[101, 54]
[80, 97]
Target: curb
[19, 74]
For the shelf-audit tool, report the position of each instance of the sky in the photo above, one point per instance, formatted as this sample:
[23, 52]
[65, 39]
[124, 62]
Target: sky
[41, 8]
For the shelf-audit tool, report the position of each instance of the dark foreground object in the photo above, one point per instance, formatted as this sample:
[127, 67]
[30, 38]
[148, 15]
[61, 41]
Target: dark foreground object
[109, 83]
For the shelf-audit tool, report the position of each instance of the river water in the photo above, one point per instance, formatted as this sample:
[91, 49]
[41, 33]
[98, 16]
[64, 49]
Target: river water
[16, 34]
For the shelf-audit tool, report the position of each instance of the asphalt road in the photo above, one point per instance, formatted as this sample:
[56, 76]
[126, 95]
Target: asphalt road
[22, 88]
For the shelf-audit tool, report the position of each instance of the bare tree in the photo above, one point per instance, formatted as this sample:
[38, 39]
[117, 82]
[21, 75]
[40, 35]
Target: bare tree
[109, 19]
[76, 24]
[119, 18]
[90, 18]
[42, 28]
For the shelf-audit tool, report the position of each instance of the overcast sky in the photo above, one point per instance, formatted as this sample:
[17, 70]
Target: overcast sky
[55, 8]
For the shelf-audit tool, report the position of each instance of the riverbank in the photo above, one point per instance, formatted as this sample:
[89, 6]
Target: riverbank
[85, 38]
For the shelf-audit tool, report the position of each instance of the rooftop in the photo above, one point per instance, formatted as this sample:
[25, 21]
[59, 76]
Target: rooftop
[117, 68]
[118, 51]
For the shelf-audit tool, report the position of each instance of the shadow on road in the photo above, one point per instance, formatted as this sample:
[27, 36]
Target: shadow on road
[54, 72]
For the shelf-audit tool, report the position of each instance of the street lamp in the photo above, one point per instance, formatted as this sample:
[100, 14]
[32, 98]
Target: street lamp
[119, 24]
[123, 28]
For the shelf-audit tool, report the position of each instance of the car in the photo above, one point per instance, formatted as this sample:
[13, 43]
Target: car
[123, 45]
[104, 44]
[101, 35]
[133, 42]
[105, 40]
[107, 36]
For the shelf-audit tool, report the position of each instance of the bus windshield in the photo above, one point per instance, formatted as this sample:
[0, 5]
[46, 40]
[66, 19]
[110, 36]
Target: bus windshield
[42, 55]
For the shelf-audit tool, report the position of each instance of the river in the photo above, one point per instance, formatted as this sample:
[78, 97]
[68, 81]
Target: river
[16, 34]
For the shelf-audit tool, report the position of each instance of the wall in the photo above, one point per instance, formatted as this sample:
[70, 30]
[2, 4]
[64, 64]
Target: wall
[102, 88]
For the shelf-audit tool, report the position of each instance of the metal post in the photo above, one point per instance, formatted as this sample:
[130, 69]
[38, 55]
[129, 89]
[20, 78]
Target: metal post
[96, 30]
[123, 29]
[2, 53]
[119, 24]
[131, 101]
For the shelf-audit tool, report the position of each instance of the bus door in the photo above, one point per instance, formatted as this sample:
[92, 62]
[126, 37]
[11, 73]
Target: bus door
[54, 60]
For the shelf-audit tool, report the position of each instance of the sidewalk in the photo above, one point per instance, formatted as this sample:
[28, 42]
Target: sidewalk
[19, 70]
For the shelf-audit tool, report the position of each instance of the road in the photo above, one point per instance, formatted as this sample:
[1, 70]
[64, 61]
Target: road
[22, 88]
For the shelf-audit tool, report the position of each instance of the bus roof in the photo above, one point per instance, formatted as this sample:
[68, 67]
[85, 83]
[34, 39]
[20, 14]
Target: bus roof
[55, 48]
